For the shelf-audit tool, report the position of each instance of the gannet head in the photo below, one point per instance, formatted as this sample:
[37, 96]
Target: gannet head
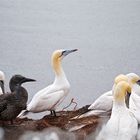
[57, 56]
[121, 89]
[2, 79]
[17, 80]
[133, 78]
[121, 77]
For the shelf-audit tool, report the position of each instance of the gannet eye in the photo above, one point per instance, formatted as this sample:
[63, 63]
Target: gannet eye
[138, 82]
[63, 53]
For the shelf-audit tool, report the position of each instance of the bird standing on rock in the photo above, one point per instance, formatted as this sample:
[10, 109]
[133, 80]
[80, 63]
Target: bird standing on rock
[11, 104]
[50, 97]
[103, 104]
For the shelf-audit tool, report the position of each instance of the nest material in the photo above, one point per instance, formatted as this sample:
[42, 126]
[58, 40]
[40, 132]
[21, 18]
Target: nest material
[63, 120]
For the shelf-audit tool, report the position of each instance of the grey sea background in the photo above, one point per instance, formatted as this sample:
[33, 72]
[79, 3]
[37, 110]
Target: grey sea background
[105, 32]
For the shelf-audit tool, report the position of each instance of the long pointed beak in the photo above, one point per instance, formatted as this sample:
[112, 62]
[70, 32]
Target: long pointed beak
[27, 80]
[66, 52]
[2, 86]
[70, 51]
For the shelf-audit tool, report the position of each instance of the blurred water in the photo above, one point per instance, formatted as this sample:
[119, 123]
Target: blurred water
[106, 32]
[49, 134]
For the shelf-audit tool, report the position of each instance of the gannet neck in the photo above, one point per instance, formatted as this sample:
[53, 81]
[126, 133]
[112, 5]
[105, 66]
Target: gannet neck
[60, 77]
[120, 91]
[57, 57]
[56, 64]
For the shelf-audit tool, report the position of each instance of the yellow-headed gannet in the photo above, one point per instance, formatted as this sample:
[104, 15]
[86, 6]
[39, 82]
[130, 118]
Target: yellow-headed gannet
[50, 97]
[103, 104]
[122, 125]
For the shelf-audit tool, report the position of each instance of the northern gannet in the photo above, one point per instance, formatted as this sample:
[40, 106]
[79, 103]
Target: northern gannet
[11, 104]
[50, 97]
[103, 104]
[122, 124]
[2, 78]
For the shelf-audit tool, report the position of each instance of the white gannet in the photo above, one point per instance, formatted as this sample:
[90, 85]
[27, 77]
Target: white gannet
[103, 104]
[134, 100]
[2, 79]
[122, 124]
[50, 97]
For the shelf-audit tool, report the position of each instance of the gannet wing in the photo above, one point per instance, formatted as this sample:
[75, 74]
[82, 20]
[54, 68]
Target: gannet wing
[104, 102]
[54, 98]
[46, 101]
[101, 106]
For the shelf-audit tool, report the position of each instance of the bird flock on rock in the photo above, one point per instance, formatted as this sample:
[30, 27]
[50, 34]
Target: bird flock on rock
[122, 101]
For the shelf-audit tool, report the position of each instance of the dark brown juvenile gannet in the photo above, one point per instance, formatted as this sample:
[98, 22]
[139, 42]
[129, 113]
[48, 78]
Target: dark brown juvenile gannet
[11, 104]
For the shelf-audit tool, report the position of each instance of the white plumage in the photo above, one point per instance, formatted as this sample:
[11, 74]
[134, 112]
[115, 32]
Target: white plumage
[134, 101]
[49, 98]
[103, 104]
[122, 125]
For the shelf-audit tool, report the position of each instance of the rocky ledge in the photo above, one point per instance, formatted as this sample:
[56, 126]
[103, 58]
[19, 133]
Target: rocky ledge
[81, 127]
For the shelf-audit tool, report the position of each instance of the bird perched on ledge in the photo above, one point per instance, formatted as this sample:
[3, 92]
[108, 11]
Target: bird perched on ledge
[2, 78]
[50, 97]
[103, 104]
[11, 104]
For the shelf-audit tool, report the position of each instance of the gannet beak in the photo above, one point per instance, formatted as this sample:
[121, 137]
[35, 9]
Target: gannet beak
[27, 80]
[138, 82]
[2, 86]
[66, 52]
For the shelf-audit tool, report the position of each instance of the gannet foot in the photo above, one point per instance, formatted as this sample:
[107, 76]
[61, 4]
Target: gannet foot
[53, 113]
